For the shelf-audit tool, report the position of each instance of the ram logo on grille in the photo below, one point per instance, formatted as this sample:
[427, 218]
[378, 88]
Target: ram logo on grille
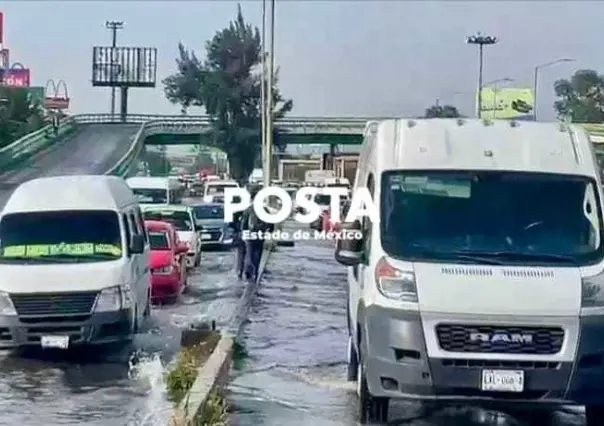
[502, 337]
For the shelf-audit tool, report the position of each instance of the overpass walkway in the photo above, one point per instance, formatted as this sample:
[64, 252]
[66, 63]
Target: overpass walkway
[89, 149]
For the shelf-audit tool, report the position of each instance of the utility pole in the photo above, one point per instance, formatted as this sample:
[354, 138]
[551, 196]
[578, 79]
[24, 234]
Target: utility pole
[113, 26]
[481, 41]
[263, 92]
[536, 80]
[269, 97]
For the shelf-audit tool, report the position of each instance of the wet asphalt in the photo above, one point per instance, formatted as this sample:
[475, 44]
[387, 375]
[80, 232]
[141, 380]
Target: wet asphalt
[296, 339]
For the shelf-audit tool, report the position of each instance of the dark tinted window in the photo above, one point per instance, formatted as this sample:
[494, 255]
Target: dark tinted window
[322, 199]
[62, 230]
[429, 215]
[159, 241]
[208, 212]
[151, 196]
[180, 220]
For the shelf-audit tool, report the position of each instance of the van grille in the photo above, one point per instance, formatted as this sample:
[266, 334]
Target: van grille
[54, 303]
[457, 338]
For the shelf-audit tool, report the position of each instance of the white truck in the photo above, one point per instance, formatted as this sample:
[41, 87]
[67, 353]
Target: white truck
[483, 282]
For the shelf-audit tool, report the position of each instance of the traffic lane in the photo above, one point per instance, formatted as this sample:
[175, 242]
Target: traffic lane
[296, 339]
[124, 387]
[92, 149]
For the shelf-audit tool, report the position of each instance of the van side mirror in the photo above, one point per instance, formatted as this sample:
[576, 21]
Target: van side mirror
[137, 244]
[349, 252]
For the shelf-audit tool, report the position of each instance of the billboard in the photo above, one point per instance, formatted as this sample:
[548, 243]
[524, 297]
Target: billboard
[16, 77]
[56, 95]
[507, 103]
[124, 66]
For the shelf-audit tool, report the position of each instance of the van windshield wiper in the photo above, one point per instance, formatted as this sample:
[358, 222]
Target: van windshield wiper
[521, 255]
[464, 256]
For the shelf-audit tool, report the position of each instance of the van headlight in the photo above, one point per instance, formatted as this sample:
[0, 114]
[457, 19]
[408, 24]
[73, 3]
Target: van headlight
[6, 305]
[114, 299]
[394, 283]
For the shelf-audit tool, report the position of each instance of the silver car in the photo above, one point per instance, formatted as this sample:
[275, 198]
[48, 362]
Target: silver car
[213, 231]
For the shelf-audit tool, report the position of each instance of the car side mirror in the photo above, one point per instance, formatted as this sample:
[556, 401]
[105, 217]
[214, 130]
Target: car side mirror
[181, 248]
[349, 251]
[137, 244]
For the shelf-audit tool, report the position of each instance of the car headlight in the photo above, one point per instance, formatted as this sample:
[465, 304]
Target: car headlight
[592, 295]
[394, 283]
[6, 305]
[166, 270]
[114, 299]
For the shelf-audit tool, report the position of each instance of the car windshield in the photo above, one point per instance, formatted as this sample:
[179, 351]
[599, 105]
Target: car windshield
[159, 241]
[322, 199]
[208, 212]
[151, 196]
[181, 220]
[61, 236]
[218, 189]
[516, 217]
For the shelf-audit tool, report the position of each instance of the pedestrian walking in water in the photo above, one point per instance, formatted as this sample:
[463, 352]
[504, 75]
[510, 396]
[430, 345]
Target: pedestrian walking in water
[253, 246]
[239, 243]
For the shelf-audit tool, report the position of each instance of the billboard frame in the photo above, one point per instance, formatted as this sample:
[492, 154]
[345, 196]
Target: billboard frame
[124, 66]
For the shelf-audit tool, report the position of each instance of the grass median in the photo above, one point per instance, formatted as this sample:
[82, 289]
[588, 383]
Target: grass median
[181, 375]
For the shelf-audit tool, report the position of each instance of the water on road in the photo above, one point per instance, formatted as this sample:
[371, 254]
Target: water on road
[296, 340]
[107, 390]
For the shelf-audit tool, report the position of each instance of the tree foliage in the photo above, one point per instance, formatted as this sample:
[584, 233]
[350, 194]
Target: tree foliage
[581, 98]
[442, 111]
[19, 115]
[228, 85]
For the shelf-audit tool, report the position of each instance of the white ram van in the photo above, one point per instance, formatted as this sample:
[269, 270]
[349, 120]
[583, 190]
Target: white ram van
[157, 190]
[483, 282]
[74, 263]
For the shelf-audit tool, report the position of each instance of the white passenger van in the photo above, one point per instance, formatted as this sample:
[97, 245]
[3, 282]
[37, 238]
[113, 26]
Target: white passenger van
[483, 282]
[157, 190]
[73, 263]
[214, 190]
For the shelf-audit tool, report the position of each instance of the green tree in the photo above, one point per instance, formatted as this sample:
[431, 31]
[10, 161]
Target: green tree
[227, 83]
[19, 115]
[442, 111]
[581, 98]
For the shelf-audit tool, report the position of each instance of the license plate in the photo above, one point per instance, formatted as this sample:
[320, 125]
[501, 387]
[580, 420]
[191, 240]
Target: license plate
[206, 236]
[503, 380]
[57, 342]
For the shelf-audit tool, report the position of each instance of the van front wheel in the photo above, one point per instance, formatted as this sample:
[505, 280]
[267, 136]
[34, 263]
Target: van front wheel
[371, 409]
[353, 361]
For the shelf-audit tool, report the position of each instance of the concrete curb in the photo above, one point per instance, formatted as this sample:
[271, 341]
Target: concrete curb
[214, 373]
[211, 376]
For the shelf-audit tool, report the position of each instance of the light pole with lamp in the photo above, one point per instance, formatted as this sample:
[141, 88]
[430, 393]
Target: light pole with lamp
[481, 41]
[269, 98]
[113, 26]
[536, 79]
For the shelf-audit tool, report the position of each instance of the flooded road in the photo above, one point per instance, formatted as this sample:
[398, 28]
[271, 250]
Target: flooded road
[296, 340]
[107, 390]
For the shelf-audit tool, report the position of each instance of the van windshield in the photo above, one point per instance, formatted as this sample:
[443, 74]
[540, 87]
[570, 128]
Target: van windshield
[209, 212]
[151, 196]
[507, 217]
[322, 199]
[62, 236]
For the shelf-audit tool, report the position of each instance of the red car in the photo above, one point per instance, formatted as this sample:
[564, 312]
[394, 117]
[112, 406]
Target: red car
[168, 260]
[330, 226]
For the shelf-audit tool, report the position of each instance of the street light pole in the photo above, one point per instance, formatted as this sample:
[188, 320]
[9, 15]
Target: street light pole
[263, 91]
[269, 97]
[536, 79]
[113, 26]
[481, 41]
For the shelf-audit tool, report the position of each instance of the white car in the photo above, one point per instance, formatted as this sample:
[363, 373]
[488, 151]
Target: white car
[183, 220]
[214, 190]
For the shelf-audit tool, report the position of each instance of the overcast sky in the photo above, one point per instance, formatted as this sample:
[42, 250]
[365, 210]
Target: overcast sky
[337, 58]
